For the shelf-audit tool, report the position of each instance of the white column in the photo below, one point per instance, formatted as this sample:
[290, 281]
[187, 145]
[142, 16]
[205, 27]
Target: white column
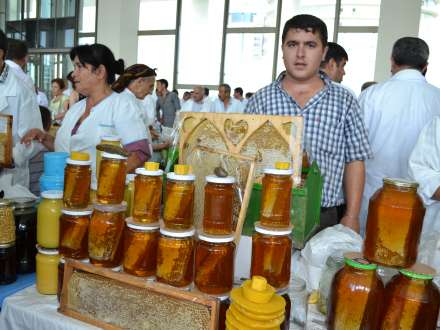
[398, 18]
[118, 27]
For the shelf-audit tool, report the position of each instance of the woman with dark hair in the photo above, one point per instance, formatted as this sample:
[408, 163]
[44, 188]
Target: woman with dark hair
[101, 113]
[74, 95]
[57, 102]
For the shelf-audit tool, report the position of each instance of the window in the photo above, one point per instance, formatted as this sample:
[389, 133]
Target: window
[157, 15]
[252, 13]
[359, 13]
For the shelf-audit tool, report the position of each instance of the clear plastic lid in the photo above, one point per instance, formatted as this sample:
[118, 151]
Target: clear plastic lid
[77, 212]
[217, 179]
[216, 238]
[111, 207]
[43, 250]
[177, 177]
[52, 194]
[178, 233]
[113, 156]
[141, 226]
[403, 183]
[357, 260]
[272, 231]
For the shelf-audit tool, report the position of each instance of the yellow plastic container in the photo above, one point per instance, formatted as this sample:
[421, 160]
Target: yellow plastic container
[48, 219]
[47, 270]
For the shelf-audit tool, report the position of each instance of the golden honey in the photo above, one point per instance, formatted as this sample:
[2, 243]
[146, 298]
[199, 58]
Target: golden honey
[214, 264]
[105, 243]
[147, 193]
[47, 270]
[77, 178]
[218, 206]
[48, 219]
[140, 248]
[271, 254]
[129, 194]
[175, 257]
[109, 140]
[111, 182]
[74, 228]
[7, 222]
[276, 196]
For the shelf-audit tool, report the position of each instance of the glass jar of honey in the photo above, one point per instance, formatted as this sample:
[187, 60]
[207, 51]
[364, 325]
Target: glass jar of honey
[129, 193]
[77, 177]
[147, 193]
[218, 208]
[108, 140]
[7, 222]
[60, 278]
[140, 248]
[111, 182]
[394, 224]
[8, 273]
[175, 257]
[47, 270]
[105, 241]
[179, 201]
[412, 300]
[93, 189]
[276, 196]
[225, 302]
[356, 295]
[214, 264]
[74, 228]
[48, 219]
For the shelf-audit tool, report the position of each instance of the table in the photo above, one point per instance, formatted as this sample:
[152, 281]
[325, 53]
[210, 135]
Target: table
[23, 281]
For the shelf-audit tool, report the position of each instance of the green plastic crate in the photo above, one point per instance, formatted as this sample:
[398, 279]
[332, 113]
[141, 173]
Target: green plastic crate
[305, 208]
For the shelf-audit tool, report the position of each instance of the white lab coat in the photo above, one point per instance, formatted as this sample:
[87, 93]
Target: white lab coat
[234, 106]
[149, 105]
[18, 100]
[203, 106]
[424, 167]
[18, 71]
[117, 114]
[395, 112]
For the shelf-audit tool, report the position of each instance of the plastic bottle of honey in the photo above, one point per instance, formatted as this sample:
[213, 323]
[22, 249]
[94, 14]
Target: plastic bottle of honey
[74, 229]
[48, 219]
[77, 177]
[147, 193]
[111, 182]
[47, 270]
[179, 203]
[276, 196]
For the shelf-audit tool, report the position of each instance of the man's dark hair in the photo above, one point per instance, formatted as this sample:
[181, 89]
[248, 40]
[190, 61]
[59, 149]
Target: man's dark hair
[226, 87]
[3, 41]
[163, 82]
[17, 50]
[335, 52]
[411, 51]
[249, 95]
[308, 23]
[206, 92]
[239, 90]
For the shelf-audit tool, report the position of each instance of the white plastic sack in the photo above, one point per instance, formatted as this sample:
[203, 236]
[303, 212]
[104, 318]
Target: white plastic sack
[13, 191]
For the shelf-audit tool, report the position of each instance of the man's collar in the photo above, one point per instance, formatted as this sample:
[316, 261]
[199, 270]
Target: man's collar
[4, 74]
[322, 75]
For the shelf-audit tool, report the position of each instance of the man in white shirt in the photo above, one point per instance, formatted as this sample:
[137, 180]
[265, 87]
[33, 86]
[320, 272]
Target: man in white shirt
[395, 112]
[16, 59]
[199, 102]
[226, 103]
[238, 95]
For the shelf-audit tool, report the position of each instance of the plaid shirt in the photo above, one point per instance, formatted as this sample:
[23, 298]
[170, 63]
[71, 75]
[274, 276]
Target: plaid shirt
[334, 130]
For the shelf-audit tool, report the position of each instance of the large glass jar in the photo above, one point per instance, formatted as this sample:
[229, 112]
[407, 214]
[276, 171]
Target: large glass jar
[214, 264]
[77, 177]
[8, 272]
[129, 193]
[7, 223]
[179, 202]
[175, 257]
[74, 228]
[111, 181]
[47, 270]
[276, 196]
[147, 193]
[356, 295]
[332, 265]
[412, 300]
[107, 140]
[48, 219]
[218, 207]
[140, 248]
[105, 242]
[271, 254]
[394, 224]
[25, 214]
[298, 296]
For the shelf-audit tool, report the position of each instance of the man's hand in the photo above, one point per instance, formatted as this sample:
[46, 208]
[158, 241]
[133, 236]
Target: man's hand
[351, 222]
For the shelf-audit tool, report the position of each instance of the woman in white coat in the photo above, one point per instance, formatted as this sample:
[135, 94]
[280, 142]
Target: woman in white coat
[102, 112]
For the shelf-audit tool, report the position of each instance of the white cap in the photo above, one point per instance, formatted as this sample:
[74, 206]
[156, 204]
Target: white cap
[111, 207]
[177, 177]
[272, 231]
[42, 250]
[178, 233]
[217, 179]
[216, 238]
[112, 156]
[77, 212]
[78, 162]
[141, 226]
[278, 172]
[52, 194]
[143, 171]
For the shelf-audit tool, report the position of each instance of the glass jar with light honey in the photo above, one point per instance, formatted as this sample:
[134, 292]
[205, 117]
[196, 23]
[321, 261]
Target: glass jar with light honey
[412, 300]
[356, 295]
[271, 254]
[394, 224]
[48, 219]
[7, 222]
[105, 243]
[111, 182]
[74, 228]
[175, 257]
[214, 264]
[129, 193]
[218, 207]
[77, 177]
[147, 193]
[276, 196]
[179, 202]
[140, 248]
[47, 270]
[108, 140]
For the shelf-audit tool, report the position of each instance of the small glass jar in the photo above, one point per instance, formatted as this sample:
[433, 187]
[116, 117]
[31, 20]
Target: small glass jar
[147, 193]
[214, 264]
[332, 265]
[48, 219]
[298, 297]
[271, 254]
[179, 201]
[74, 228]
[175, 257]
[60, 278]
[47, 270]
[25, 214]
[111, 182]
[7, 223]
[107, 140]
[8, 272]
[77, 177]
[218, 207]
[140, 248]
[129, 193]
[394, 224]
[276, 196]
[105, 241]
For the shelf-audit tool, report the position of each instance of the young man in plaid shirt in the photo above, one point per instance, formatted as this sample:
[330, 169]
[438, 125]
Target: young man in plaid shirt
[335, 134]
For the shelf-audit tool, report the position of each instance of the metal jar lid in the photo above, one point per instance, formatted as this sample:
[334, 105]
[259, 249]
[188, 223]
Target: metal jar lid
[402, 183]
